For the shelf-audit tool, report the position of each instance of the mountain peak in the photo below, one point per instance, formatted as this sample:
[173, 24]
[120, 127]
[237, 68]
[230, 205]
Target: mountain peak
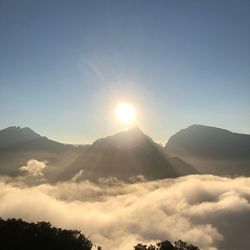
[18, 129]
[15, 135]
[129, 138]
[196, 131]
[134, 131]
[199, 127]
[127, 154]
[209, 142]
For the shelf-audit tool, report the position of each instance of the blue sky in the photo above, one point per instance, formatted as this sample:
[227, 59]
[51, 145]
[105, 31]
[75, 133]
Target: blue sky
[64, 65]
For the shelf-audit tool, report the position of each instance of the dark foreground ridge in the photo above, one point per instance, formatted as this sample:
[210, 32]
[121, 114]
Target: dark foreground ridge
[16, 234]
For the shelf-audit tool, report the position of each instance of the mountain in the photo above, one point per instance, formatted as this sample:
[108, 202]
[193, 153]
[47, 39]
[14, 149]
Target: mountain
[18, 145]
[212, 150]
[124, 155]
[15, 135]
[128, 154]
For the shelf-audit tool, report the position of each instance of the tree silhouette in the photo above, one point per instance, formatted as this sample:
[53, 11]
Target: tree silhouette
[181, 245]
[15, 234]
[166, 245]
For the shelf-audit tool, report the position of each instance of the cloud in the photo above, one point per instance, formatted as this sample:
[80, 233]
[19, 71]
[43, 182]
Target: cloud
[34, 168]
[77, 176]
[208, 211]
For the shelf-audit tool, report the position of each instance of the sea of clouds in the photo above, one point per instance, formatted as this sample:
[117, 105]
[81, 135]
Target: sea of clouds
[209, 211]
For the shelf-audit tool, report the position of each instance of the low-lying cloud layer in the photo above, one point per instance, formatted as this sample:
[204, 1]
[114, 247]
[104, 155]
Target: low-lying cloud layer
[211, 212]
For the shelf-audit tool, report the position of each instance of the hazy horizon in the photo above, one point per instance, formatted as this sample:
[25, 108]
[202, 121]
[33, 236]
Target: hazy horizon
[118, 131]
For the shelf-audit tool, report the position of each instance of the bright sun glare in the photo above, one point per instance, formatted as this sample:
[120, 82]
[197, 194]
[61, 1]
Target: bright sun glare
[125, 113]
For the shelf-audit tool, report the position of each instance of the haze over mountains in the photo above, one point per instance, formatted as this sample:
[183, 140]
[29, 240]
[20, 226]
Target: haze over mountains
[125, 155]
[128, 155]
[212, 150]
[18, 145]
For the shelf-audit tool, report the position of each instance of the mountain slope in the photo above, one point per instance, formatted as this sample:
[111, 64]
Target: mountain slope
[128, 154]
[18, 145]
[123, 155]
[212, 150]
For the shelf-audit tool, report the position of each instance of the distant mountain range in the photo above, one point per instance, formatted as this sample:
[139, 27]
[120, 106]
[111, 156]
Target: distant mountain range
[125, 155]
[128, 154]
[212, 150]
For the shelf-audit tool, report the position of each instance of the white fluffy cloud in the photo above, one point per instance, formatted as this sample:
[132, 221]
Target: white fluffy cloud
[211, 212]
[34, 168]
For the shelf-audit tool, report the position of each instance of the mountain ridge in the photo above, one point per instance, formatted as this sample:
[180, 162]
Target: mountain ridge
[194, 136]
[123, 155]
[198, 148]
[126, 154]
[212, 150]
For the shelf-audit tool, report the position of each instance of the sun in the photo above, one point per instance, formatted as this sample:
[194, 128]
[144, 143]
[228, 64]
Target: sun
[125, 113]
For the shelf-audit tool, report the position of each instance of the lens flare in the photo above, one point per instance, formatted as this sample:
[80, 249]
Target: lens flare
[125, 113]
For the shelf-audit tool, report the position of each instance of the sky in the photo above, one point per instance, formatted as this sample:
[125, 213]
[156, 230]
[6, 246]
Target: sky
[65, 65]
